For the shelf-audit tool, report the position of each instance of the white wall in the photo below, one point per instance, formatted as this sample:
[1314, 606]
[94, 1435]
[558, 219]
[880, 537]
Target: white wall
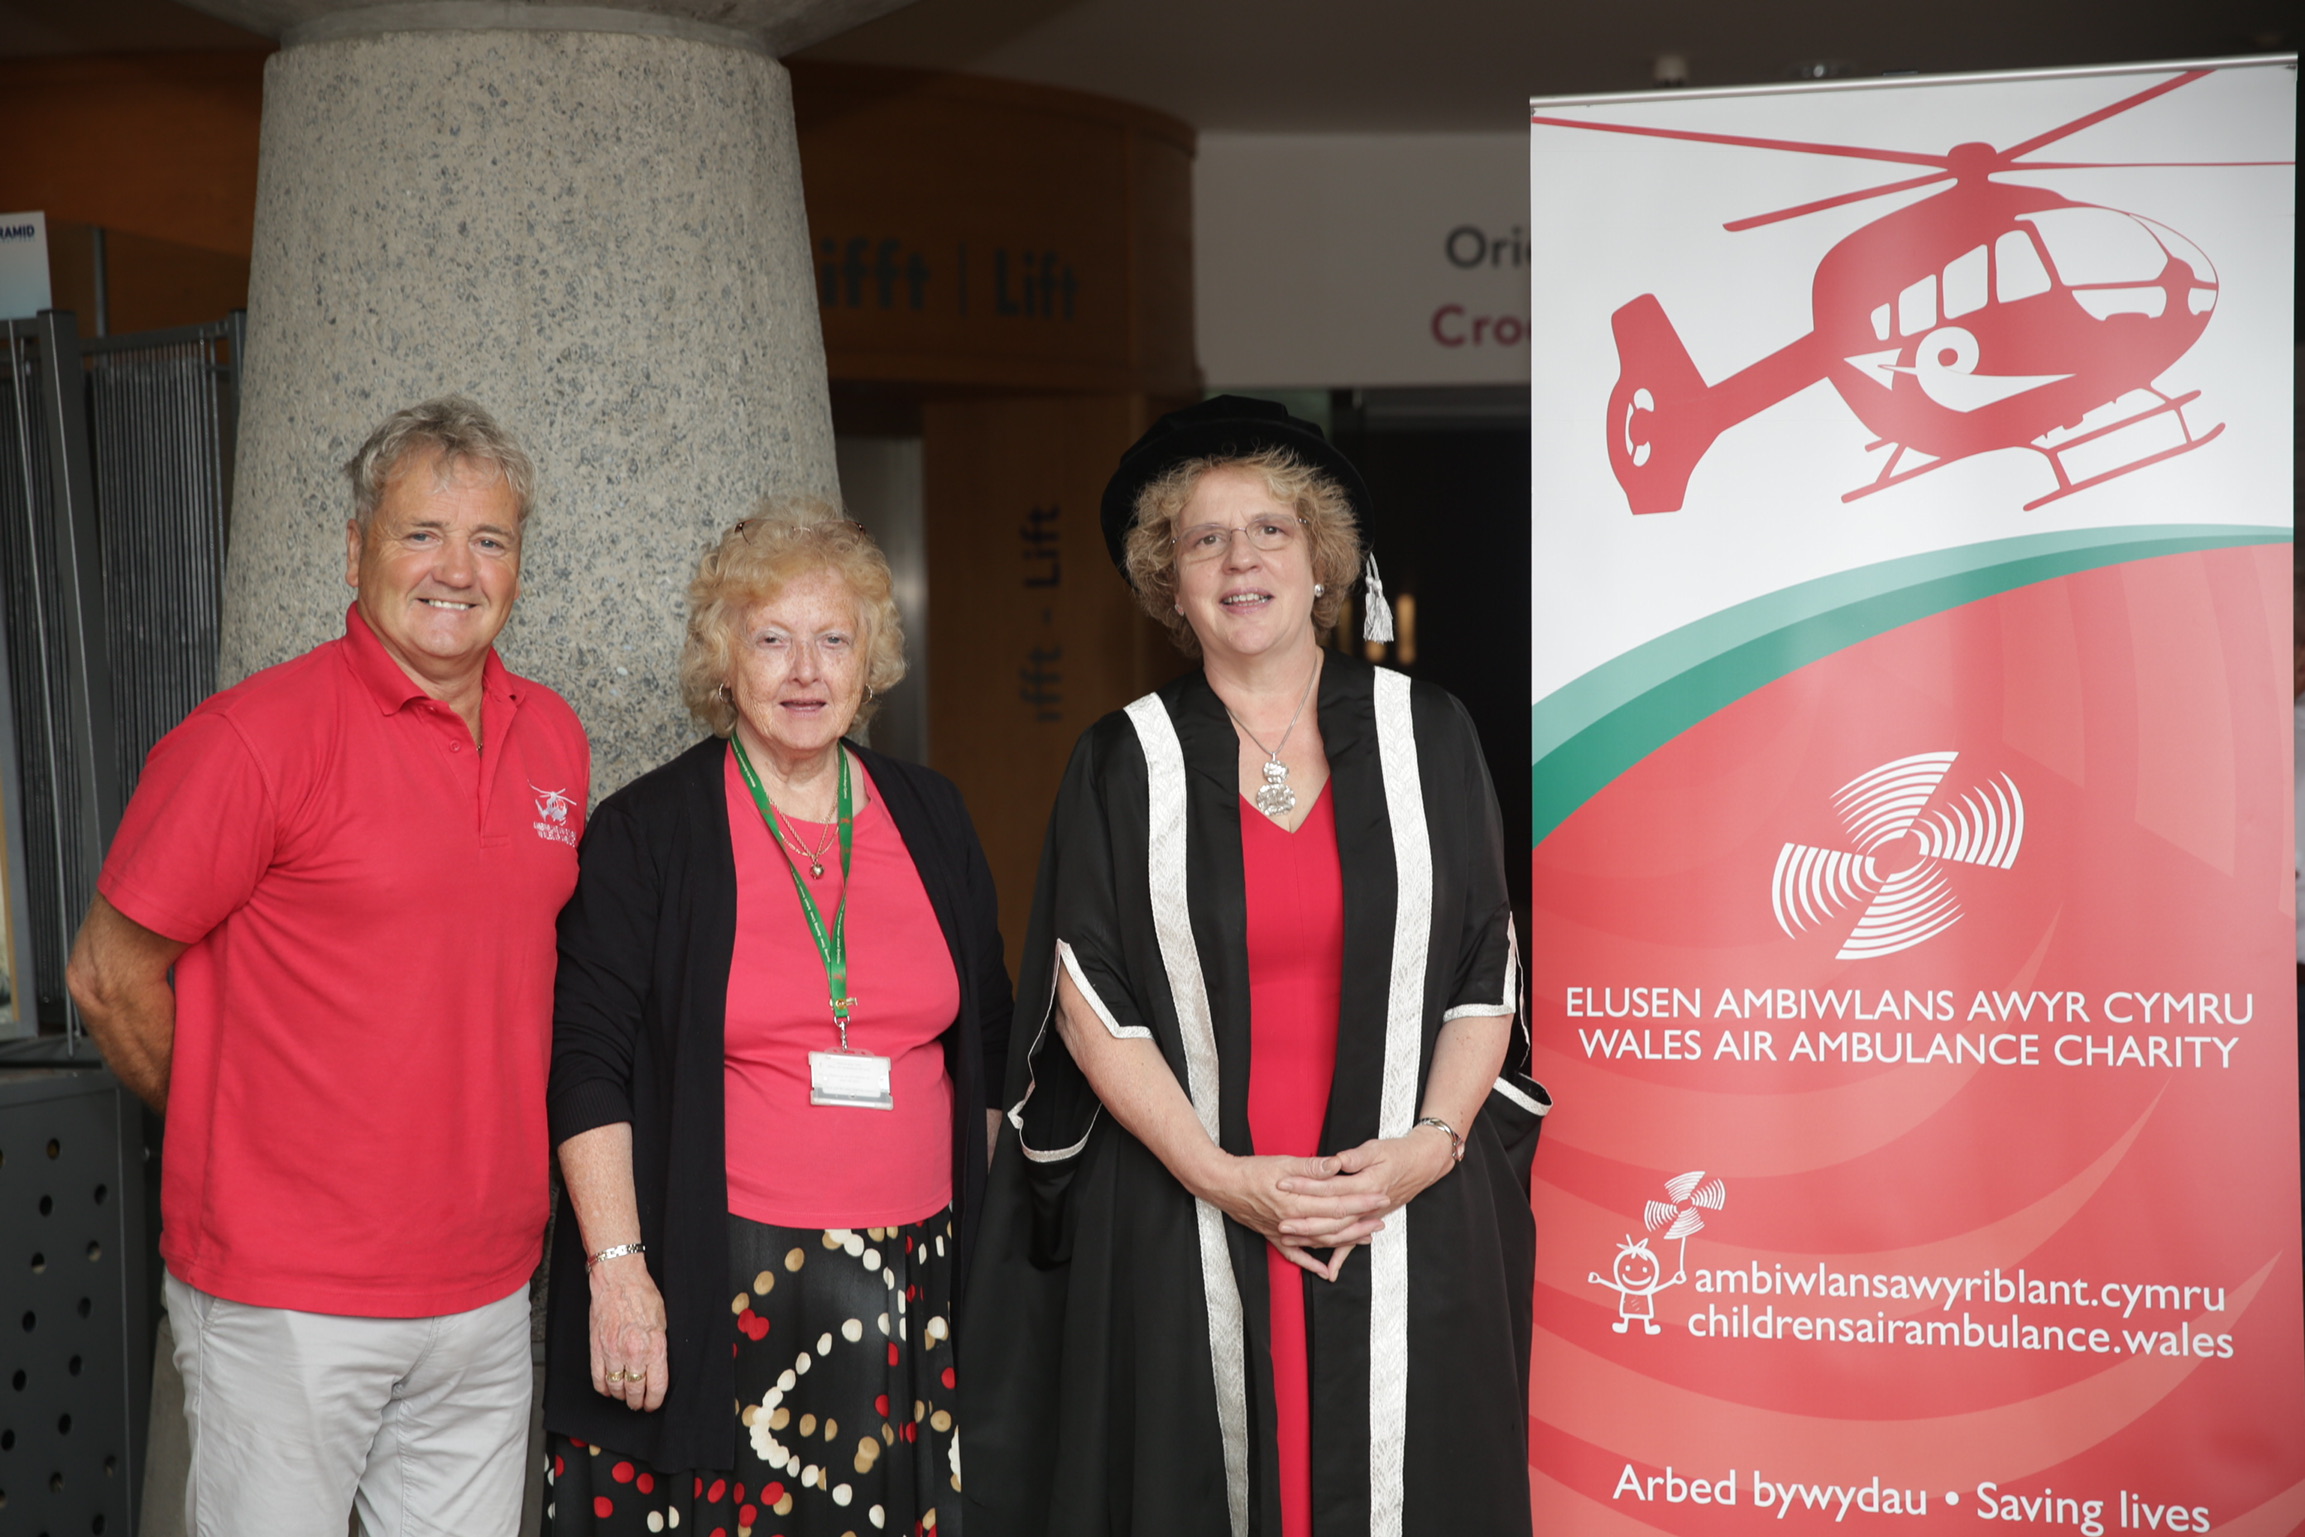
[1361, 260]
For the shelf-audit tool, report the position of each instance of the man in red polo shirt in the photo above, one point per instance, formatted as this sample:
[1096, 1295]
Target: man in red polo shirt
[352, 863]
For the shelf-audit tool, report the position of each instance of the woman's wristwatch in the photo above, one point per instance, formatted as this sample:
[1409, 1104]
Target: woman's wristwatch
[1456, 1143]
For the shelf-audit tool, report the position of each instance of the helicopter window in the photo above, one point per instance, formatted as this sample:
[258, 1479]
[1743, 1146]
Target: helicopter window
[1965, 283]
[1881, 322]
[2098, 245]
[1917, 306]
[2105, 303]
[2020, 274]
[2184, 250]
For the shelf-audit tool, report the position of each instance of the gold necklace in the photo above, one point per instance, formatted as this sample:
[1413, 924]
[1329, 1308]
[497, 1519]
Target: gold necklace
[815, 856]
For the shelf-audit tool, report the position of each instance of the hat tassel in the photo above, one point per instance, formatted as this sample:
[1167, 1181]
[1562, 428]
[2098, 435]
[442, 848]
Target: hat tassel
[1377, 614]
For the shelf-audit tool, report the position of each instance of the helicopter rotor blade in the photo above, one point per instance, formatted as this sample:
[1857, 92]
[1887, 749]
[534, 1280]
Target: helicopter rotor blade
[2040, 140]
[1819, 206]
[1799, 146]
[2135, 165]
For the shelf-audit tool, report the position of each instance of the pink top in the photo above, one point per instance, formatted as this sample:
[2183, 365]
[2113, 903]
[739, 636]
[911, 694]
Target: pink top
[792, 1163]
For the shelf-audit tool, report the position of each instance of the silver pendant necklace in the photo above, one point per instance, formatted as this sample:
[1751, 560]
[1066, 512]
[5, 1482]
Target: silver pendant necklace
[1274, 797]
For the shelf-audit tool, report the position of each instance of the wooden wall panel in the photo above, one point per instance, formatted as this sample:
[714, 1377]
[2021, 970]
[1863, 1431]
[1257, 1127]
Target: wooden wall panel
[155, 144]
[1161, 174]
[152, 284]
[1033, 635]
[987, 234]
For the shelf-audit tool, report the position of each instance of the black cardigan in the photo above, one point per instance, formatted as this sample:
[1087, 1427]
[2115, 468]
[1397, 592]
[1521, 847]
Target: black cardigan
[639, 1022]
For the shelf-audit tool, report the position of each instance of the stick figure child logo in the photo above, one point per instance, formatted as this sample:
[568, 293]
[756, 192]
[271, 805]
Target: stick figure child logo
[1637, 1273]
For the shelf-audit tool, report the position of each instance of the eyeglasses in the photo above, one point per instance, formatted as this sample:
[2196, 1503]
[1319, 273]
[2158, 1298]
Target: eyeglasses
[1204, 542]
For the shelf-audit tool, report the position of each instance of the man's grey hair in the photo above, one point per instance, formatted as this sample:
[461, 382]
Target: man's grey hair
[454, 428]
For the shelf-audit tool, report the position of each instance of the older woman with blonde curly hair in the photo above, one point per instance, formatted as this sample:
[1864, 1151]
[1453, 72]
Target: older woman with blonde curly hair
[782, 1008]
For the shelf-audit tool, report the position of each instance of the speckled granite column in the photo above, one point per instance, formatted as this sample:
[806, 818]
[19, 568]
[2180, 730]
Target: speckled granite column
[597, 234]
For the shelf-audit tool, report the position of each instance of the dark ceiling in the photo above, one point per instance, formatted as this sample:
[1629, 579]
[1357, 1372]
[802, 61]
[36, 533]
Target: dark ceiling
[1378, 66]
[112, 26]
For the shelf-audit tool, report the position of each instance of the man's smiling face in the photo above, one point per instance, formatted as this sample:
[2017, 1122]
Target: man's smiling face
[438, 567]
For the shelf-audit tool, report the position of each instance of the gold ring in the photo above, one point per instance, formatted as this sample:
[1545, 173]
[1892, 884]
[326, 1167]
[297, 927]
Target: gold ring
[619, 1375]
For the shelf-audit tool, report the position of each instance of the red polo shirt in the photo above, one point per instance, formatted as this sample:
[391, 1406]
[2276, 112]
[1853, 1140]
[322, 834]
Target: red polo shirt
[364, 1020]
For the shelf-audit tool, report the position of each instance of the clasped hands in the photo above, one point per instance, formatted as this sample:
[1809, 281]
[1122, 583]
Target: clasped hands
[1334, 1203]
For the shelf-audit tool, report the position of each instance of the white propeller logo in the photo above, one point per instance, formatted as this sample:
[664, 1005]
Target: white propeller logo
[1676, 1220]
[1896, 871]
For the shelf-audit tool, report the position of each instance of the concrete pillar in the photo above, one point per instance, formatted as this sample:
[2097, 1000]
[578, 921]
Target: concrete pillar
[587, 218]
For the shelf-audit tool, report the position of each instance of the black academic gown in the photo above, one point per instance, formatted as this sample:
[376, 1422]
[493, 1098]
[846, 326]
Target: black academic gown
[1115, 1357]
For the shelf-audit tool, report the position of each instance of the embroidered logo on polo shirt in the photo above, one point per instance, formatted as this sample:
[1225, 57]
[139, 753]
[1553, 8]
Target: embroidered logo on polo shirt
[552, 806]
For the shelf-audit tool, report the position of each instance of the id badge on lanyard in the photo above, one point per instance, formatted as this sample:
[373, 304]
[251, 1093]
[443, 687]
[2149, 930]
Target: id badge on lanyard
[857, 1079]
[849, 1076]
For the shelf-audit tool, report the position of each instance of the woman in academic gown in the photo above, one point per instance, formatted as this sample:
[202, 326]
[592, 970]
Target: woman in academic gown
[1257, 1253]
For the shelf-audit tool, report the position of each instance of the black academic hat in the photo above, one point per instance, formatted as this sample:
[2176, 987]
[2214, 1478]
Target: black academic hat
[1221, 427]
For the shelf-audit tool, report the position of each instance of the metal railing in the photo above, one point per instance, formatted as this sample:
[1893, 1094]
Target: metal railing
[161, 418]
[115, 469]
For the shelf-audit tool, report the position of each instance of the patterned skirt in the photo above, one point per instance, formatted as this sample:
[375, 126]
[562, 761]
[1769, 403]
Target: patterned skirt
[843, 1425]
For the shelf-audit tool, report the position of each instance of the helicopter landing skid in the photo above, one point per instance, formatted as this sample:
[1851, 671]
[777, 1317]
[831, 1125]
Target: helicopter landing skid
[1889, 476]
[2168, 407]
[2066, 485]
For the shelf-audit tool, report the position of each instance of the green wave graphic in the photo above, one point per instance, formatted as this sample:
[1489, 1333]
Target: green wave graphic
[1587, 732]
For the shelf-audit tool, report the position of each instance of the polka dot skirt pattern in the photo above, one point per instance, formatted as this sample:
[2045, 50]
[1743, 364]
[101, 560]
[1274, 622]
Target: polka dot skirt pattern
[843, 1425]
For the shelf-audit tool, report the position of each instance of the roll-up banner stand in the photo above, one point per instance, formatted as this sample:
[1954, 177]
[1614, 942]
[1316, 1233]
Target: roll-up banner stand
[1914, 875]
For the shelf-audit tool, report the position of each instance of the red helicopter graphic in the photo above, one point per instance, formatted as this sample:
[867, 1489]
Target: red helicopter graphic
[1982, 317]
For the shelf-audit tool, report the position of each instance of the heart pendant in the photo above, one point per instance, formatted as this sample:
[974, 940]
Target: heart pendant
[816, 872]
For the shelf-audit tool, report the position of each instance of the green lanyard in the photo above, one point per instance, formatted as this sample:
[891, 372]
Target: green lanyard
[831, 948]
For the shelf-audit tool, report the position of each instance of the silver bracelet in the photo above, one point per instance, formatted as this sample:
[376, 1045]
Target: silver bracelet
[1456, 1143]
[616, 1251]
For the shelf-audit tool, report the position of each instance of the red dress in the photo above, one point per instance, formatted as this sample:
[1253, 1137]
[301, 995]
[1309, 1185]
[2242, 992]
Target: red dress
[1296, 949]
